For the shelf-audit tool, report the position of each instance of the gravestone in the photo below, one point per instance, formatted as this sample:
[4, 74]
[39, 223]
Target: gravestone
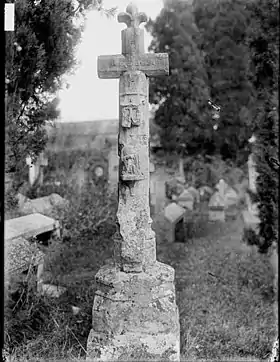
[195, 193]
[205, 192]
[113, 168]
[181, 170]
[221, 187]
[135, 316]
[174, 188]
[174, 215]
[216, 208]
[252, 172]
[36, 168]
[160, 200]
[9, 177]
[186, 200]
[229, 195]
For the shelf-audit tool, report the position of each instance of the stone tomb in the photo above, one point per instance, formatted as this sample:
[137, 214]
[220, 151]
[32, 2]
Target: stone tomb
[135, 316]
[175, 218]
[20, 256]
[29, 226]
[216, 208]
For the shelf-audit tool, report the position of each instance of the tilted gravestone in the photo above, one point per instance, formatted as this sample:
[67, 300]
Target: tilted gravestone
[113, 168]
[186, 200]
[135, 316]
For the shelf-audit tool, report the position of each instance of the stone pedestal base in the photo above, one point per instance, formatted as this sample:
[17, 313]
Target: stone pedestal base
[135, 316]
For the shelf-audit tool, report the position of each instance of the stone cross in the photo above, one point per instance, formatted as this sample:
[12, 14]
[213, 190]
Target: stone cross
[134, 314]
[135, 241]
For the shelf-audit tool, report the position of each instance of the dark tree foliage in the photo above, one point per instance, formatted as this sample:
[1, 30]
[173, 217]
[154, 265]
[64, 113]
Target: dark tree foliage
[264, 44]
[182, 96]
[38, 53]
[223, 27]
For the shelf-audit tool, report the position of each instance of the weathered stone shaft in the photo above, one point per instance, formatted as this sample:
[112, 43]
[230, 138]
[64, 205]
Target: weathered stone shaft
[133, 216]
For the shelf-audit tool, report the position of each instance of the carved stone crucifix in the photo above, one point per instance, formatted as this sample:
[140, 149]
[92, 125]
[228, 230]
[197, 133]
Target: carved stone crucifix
[134, 241]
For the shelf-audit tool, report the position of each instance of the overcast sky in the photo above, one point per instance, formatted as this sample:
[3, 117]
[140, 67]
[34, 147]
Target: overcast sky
[91, 98]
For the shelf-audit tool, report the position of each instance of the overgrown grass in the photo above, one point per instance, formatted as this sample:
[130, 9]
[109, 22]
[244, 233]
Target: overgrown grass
[225, 297]
[224, 289]
[42, 328]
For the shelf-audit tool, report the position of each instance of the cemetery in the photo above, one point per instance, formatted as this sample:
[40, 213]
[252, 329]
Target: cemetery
[117, 250]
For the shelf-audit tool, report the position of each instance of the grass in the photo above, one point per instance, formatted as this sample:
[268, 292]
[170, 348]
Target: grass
[224, 288]
[225, 297]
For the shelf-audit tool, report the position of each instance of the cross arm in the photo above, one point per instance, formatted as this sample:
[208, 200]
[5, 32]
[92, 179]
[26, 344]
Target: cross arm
[112, 66]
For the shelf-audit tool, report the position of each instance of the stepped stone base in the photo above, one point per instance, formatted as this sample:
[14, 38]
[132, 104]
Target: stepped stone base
[135, 316]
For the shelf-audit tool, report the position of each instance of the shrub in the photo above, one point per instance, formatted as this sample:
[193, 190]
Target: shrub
[266, 195]
[208, 170]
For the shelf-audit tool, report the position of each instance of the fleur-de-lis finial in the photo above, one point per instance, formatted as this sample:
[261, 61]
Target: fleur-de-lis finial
[131, 17]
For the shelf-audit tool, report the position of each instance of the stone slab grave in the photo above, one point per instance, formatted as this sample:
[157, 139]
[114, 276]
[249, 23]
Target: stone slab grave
[216, 208]
[135, 316]
[29, 226]
[175, 227]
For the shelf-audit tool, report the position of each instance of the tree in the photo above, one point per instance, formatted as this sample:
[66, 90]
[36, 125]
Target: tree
[38, 53]
[182, 96]
[263, 40]
[223, 27]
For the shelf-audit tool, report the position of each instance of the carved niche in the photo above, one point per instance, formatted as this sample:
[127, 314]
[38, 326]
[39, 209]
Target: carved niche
[133, 98]
[130, 165]
[131, 116]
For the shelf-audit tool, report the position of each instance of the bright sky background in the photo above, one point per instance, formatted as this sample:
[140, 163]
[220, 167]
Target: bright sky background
[90, 98]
